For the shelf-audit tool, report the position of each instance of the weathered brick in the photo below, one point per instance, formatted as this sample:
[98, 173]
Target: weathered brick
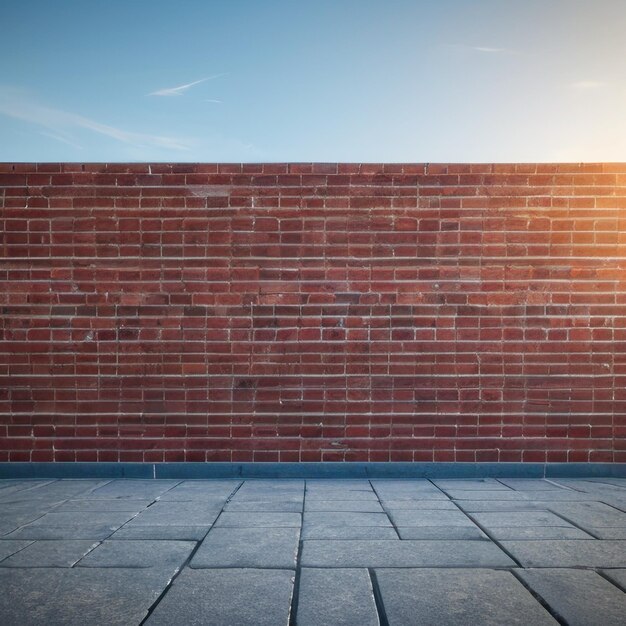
[307, 312]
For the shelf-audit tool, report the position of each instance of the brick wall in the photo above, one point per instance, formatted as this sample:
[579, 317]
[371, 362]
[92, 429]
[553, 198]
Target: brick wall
[313, 312]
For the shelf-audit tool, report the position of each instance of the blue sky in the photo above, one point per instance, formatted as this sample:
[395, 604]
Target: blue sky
[313, 80]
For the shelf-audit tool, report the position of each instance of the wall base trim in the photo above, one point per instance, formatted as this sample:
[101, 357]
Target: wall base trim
[311, 470]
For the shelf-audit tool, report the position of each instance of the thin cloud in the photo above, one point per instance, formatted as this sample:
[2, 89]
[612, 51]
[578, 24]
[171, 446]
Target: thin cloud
[482, 49]
[489, 50]
[62, 139]
[587, 84]
[178, 91]
[14, 104]
[212, 100]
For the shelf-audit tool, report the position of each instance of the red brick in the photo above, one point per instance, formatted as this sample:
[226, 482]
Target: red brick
[307, 312]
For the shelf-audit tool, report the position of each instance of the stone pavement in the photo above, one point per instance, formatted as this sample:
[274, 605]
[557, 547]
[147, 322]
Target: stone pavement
[314, 552]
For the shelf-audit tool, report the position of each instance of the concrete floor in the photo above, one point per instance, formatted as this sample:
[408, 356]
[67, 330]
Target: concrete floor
[314, 552]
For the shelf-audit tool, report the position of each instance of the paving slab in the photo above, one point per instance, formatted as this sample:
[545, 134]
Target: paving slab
[139, 553]
[319, 487]
[9, 523]
[336, 597]
[354, 506]
[616, 503]
[243, 519]
[318, 490]
[11, 546]
[618, 482]
[21, 502]
[102, 506]
[24, 502]
[67, 518]
[63, 489]
[269, 497]
[248, 547]
[283, 484]
[197, 490]
[64, 553]
[419, 505]
[607, 533]
[345, 518]
[565, 495]
[348, 532]
[338, 483]
[488, 494]
[404, 553]
[471, 484]
[77, 531]
[452, 597]
[342, 495]
[590, 514]
[530, 484]
[170, 532]
[472, 506]
[520, 518]
[617, 577]
[271, 505]
[241, 597]
[8, 487]
[568, 553]
[79, 596]
[591, 487]
[429, 518]
[70, 525]
[409, 488]
[441, 532]
[580, 597]
[134, 489]
[270, 488]
[10, 482]
[182, 518]
[537, 532]
[213, 505]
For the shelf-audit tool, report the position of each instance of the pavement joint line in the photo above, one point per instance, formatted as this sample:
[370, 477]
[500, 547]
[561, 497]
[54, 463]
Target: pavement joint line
[18, 551]
[609, 504]
[557, 484]
[34, 487]
[575, 524]
[487, 532]
[4, 535]
[385, 510]
[139, 512]
[603, 482]
[499, 480]
[177, 573]
[378, 598]
[553, 612]
[567, 487]
[106, 481]
[120, 527]
[295, 591]
[601, 573]
[97, 544]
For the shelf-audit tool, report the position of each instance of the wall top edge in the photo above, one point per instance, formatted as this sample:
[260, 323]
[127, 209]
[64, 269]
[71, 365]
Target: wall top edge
[388, 470]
